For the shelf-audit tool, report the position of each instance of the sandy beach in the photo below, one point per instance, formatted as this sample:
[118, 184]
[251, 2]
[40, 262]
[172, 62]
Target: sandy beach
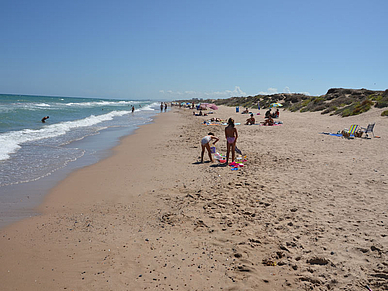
[308, 211]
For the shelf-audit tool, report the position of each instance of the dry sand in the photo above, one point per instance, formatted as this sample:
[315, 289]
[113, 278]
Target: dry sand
[308, 211]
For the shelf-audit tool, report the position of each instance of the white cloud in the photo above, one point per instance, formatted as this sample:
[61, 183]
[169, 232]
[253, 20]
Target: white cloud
[269, 91]
[237, 92]
[286, 90]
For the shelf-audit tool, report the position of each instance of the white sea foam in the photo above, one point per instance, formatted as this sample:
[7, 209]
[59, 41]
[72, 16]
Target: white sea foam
[151, 106]
[148, 107]
[5, 108]
[12, 141]
[102, 103]
[42, 105]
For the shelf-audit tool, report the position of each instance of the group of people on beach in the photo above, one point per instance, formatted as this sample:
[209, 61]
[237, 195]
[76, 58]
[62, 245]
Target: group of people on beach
[269, 116]
[231, 136]
[269, 113]
[163, 106]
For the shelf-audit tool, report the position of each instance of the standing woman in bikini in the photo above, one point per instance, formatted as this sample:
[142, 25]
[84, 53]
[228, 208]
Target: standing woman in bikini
[231, 138]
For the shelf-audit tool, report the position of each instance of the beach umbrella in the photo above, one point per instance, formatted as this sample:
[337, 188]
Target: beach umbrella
[213, 106]
[276, 105]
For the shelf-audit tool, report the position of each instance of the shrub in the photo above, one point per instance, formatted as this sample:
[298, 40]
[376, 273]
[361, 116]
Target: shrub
[304, 109]
[355, 109]
[375, 97]
[318, 100]
[306, 102]
[384, 113]
[319, 108]
[347, 111]
[295, 107]
[381, 104]
[363, 107]
[382, 101]
[330, 109]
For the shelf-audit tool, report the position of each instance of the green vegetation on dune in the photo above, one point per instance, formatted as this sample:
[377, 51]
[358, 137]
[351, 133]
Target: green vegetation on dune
[337, 101]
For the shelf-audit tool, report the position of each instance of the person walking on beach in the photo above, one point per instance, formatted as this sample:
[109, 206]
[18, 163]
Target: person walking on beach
[165, 107]
[258, 104]
[205, 144]
[231, 138]
[161, 106]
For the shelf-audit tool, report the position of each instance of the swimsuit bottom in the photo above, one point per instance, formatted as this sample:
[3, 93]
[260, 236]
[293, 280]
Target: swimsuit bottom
[206, 140]
[231, 139]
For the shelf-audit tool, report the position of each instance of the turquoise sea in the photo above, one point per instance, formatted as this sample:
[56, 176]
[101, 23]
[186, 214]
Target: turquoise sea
[36, 155]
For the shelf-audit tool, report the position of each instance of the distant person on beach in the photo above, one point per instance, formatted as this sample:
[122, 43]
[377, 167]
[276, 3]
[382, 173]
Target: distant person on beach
[165, 107]
[258, 104]
[250, 120]
[133, 108]
[231, 138]
[205, 144]
[268, 113]
[161, 106]
[44, 119]
[277, 113]
[269, 121]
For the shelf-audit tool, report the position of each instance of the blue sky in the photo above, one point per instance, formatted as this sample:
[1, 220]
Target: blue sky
[182, 49]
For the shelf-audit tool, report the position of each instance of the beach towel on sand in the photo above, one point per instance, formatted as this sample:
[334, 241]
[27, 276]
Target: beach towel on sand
[238, 151]
[334, 134]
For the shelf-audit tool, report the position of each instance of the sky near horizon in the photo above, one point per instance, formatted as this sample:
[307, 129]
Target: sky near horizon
[169, 50]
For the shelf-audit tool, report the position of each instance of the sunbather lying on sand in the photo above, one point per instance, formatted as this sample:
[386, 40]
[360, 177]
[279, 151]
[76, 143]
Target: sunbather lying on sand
[269, 121]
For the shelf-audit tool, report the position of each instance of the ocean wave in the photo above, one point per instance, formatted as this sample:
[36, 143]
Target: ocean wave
[101, 103]
[11, 141]
[42, 105]
[148, 107]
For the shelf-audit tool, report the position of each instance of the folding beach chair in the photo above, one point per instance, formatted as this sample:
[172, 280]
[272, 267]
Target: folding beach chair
[350, 133]
[369, 128]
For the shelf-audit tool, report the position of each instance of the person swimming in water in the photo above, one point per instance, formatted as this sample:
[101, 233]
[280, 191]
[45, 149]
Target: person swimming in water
[231, 138]
[44, 119]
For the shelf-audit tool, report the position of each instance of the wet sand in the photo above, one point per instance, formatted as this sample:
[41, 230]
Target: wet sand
[307, 211]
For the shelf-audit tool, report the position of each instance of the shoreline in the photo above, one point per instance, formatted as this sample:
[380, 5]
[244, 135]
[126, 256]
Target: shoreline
[306, 211]
[24, 206]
